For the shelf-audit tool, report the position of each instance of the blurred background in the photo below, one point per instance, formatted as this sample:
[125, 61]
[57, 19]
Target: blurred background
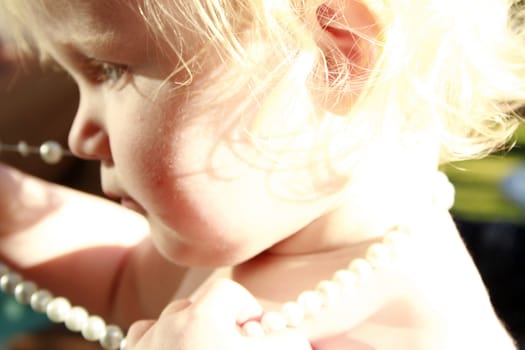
[36, 106]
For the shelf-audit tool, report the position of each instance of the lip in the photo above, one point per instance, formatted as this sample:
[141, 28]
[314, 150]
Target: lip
[132, 205]
[124, 200]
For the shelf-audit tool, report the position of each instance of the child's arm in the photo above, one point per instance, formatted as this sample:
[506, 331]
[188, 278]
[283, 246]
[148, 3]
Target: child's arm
[83, 247]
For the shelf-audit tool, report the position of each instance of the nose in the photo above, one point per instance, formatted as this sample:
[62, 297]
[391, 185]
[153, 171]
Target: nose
[88, 137]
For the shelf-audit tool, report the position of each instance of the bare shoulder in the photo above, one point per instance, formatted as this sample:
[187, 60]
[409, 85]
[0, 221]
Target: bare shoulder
[433, 298]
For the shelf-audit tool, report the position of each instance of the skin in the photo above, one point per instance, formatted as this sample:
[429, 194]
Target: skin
[212, 199]
[166, 153]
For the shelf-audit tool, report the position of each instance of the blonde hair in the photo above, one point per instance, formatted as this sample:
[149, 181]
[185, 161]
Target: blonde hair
[453, 70]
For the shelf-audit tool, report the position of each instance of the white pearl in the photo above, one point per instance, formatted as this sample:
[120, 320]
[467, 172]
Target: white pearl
[253, 329]
[311, 302]
[361, 268]
[346, 279]
[24, 290]
[378, 255]
[293, 312]
[9, 281]
[123, 344]
[111, 338]
[40, 299]
[331, 292]
[77, 319]
[23, 148]
[273, 322]
[94, 328]
[58, 309]
[51, 152]
[249, 313]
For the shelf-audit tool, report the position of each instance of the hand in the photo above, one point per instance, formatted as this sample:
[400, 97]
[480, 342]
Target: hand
[211, 321]
[60, 238]
[40, 210]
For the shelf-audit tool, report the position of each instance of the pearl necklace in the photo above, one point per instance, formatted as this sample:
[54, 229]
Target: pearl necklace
[345, 281]
[58, 309]
[50, 152]
[292, 314]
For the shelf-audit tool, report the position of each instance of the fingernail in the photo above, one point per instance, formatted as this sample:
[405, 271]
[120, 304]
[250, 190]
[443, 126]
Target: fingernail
[251, 313]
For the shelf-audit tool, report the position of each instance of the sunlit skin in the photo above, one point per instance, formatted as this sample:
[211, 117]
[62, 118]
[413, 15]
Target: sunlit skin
[213, 199]
[209, 195]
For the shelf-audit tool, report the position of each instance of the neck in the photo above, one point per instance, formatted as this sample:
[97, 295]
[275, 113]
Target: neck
[367, 210]
[344, 234]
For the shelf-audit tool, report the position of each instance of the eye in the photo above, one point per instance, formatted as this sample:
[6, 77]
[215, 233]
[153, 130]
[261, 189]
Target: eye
[100, 72]
[113, 72]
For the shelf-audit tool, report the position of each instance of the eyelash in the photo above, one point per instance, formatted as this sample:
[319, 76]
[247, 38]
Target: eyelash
[104, 72]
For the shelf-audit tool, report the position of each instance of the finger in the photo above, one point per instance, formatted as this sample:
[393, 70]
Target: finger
[282, 340]
[227, 305]
[175, 306]
[229, 301]
[23, 199]
[137, 331]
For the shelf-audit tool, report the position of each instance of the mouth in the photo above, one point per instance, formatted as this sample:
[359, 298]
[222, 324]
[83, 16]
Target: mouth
[127, 202]
[132, 205]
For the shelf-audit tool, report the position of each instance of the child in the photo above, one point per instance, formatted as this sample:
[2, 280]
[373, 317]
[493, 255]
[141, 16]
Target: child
[268, 144]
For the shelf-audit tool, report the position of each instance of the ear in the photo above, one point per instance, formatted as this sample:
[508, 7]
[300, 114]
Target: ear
[350, 39]
[352, 27]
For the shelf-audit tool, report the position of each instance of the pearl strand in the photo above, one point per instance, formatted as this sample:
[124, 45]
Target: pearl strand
[310, 303]
[59, 310]
[51, 152]
[307, 305]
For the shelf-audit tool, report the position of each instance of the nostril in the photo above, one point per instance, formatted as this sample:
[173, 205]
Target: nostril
[90, 142]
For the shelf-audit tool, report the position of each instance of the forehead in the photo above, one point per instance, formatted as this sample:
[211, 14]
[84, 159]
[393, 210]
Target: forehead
[87, 22]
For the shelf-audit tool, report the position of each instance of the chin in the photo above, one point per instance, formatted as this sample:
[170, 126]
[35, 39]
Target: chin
[202, 252]
[200, 256]
[192, 257]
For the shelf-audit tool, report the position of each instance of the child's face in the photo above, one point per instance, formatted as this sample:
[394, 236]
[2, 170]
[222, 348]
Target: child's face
[183, 158]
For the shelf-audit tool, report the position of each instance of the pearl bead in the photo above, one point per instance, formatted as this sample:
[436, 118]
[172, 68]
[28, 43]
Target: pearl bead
[378, 255]
[253, 329]
[94, 328]
[111, 338]
[76, 319]
[24, 290]
[293, 313]
[346, 279]
[40, 299]
[361, 268]
[9, 281]
[51, 152]
[331, 291]
[23, 148]
[273, 322]
[311, 302]
[58, 309]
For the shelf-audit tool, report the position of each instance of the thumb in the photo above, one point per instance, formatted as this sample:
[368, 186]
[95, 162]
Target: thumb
[230, 303]
[282, 340]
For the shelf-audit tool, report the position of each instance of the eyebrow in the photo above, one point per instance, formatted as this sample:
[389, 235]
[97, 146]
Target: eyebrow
[92, 42]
